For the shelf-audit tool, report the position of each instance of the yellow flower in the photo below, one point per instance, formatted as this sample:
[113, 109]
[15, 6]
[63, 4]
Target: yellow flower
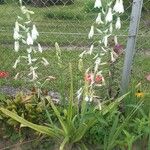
[139, 94]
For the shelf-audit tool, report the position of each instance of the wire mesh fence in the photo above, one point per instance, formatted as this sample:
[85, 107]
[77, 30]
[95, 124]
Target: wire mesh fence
[67, 22]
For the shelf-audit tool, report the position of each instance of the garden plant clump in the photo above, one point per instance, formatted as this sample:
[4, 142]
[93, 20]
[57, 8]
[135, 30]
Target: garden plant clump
[91, 115]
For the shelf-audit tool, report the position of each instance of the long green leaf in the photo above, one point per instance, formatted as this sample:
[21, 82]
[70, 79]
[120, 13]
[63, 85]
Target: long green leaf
[64, 126]
[39, 128]
[107, 109]
[70, 113]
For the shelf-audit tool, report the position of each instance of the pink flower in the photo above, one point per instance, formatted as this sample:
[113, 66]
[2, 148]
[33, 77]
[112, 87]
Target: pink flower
[90, 78]
[3, 74]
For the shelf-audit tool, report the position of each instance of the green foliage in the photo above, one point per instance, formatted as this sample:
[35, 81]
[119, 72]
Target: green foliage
[75, 122]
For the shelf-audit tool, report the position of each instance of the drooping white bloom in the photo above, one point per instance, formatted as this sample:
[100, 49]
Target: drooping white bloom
[105, 40]
[16, 62]
[44, 61]
[34, 33]
[16, 35]
[118, 7]
[91, 49]
[118, 23]
[91, 33]
[33, 73]
[40, 48]
[29, 39]
[16, 46]
[17, 26]
[109, 16]
[98, 4]
[99, 19]
[24, 9]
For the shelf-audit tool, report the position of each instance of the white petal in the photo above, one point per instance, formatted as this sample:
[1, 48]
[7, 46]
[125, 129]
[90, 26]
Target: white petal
[118, 23]
[118, 7]
[109, 16]
[29, 39]
[16, 46]
[34, 33]
[105, 40]
[17, 26]
[16, 35]
[40, 48]
[98, 4]
[91, 33]
[99, 19]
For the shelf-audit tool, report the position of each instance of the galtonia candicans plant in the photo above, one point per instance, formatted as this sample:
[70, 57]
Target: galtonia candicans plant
[107, 21]
[26, 35]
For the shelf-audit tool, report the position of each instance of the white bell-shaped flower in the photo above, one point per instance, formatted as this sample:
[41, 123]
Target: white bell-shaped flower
[105, 40]
[34, 33]
[17, 26]
[16, 35]
[91, 33]
[118, 23]
[91, 49]
[99, 19]
[29, 39]
[118, 7]
[109, 16]
[40, 48]
[16, 46]
[98, 4]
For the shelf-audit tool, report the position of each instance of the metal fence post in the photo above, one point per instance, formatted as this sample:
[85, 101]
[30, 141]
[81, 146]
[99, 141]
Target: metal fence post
[131, 43]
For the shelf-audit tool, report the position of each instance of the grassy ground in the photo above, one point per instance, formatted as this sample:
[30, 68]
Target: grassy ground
[140, 68]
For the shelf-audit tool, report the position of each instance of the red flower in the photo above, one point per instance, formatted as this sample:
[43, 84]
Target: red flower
[98, 79]
[3, 74]
[90, 77]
